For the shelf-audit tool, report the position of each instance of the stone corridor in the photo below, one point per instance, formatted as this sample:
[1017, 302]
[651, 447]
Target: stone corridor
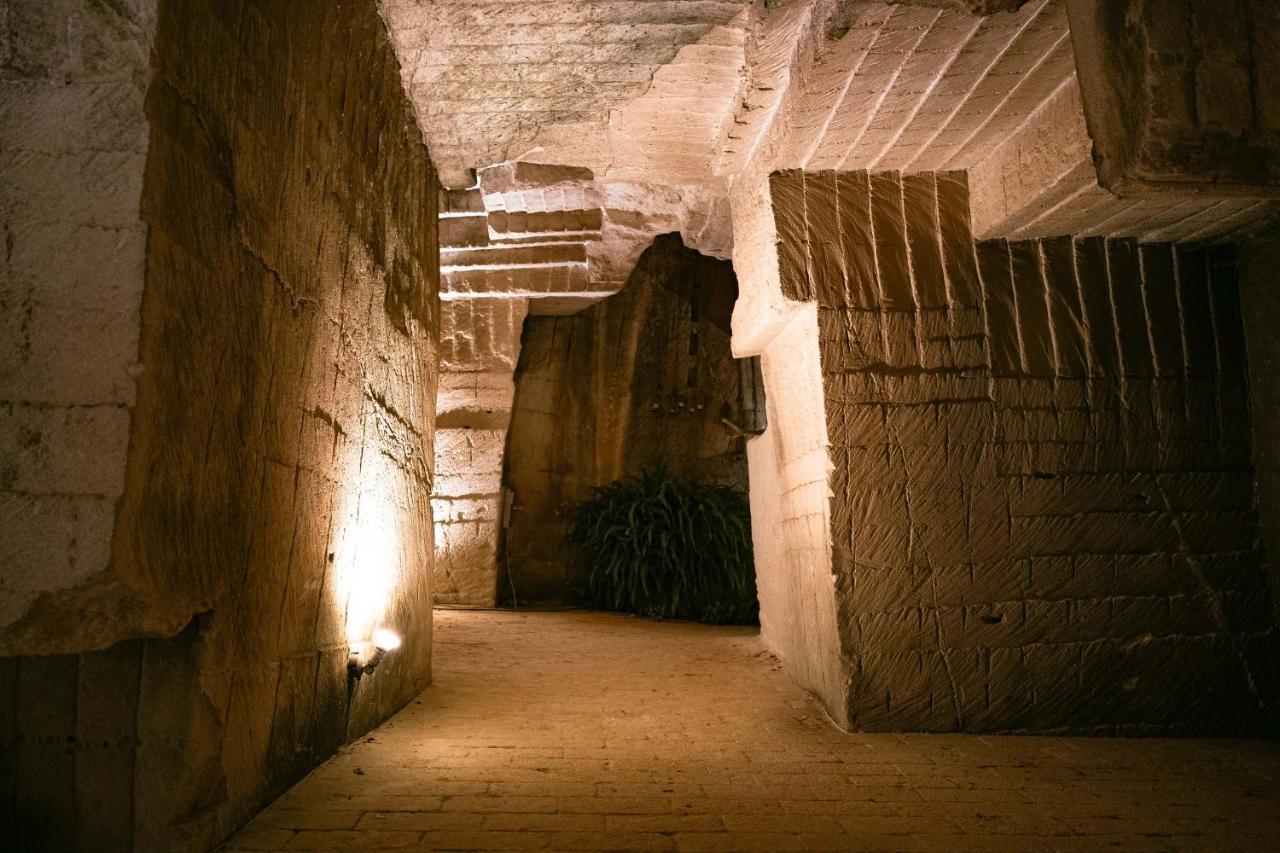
[583, 731]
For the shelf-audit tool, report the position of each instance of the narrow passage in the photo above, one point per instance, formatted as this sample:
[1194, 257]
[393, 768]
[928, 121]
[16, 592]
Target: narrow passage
[586, 731]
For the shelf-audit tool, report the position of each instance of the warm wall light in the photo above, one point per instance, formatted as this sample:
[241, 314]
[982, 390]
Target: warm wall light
[369, 552]
[384, 640]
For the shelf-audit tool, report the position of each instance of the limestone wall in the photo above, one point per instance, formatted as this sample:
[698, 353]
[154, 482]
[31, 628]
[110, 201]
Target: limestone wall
[1042, 512]
[642, 378]
[1180, 94]
[1260, 297]
[279, 461]
[73, 145]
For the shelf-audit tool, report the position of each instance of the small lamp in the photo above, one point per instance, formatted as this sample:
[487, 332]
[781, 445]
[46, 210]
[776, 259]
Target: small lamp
[384, 640]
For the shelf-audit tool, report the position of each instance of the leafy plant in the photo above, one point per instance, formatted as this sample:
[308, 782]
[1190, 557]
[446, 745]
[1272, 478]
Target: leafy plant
[666, 547]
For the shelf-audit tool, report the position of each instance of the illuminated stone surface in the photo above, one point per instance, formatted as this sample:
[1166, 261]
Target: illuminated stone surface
[73, 149]
[274, 504]
[1033, 509]
[1006, 485]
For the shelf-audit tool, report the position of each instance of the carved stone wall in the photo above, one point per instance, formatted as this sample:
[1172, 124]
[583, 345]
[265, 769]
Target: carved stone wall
[1260, 298]
[73, 147]
[279, 462]
[1042, 511]
[1180, 94]
[480, 342]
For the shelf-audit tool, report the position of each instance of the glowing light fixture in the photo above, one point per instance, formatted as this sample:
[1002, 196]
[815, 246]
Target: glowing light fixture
[384, 640]
[370, 560]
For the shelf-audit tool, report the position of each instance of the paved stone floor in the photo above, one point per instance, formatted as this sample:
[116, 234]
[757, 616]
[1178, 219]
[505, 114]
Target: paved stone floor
[583, 731]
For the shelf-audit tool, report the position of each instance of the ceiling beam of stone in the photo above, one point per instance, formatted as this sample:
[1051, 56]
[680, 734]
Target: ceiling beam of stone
[917, 88]
[643, 115]
[1041, 182]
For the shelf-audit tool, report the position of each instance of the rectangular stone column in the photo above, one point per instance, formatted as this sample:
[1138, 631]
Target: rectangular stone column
[479, 347]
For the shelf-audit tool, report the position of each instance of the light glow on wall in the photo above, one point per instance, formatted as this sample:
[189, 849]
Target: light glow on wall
[368, 569]
[386, 639]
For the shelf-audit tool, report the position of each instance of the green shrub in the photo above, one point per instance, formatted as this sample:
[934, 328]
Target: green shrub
[666, 547]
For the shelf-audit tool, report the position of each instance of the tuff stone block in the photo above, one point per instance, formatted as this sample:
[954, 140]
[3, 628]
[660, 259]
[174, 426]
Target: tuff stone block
[1060, 498]
[217, 423]
[1165, 95]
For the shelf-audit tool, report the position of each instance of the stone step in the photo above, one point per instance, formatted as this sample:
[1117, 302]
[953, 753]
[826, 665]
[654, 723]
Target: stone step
[528, 280]
[499, 257]
[513, 223]
[464, 231]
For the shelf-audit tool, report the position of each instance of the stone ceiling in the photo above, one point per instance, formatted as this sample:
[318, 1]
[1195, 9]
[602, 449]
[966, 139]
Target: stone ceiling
[487, 76]
[654, 108]
[918, 89]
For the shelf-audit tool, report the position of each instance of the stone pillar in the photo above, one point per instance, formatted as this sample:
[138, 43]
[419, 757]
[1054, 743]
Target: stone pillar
[497, 266]
[789, 464]
[479, 347]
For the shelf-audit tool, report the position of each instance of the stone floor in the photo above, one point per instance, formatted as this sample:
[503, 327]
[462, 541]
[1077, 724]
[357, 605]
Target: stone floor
[583, 731]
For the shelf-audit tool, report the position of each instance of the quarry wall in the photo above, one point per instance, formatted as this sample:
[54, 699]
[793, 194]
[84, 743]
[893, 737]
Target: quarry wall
[1259, 262]
[1041, 505]
[275, 502]
[73, 147]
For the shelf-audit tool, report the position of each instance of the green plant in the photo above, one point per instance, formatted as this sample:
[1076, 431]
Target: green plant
[666, 547]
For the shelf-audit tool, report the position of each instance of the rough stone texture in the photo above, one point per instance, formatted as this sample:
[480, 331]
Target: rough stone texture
[1181, 94]
[486, 76]
[976, 7]
[1041, 512]
[1259, 262]
[639, 143]
[498, 265]
[921, 86]
[1041, 182]
[620, 219]
[479, 345]
[790, 470]
[73, 143]
[639, 735]
[915, 88]
[279, 465]
[887, 86]
[644, 377]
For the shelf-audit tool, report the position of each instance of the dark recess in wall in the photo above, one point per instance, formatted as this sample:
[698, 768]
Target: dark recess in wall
[642, 378]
